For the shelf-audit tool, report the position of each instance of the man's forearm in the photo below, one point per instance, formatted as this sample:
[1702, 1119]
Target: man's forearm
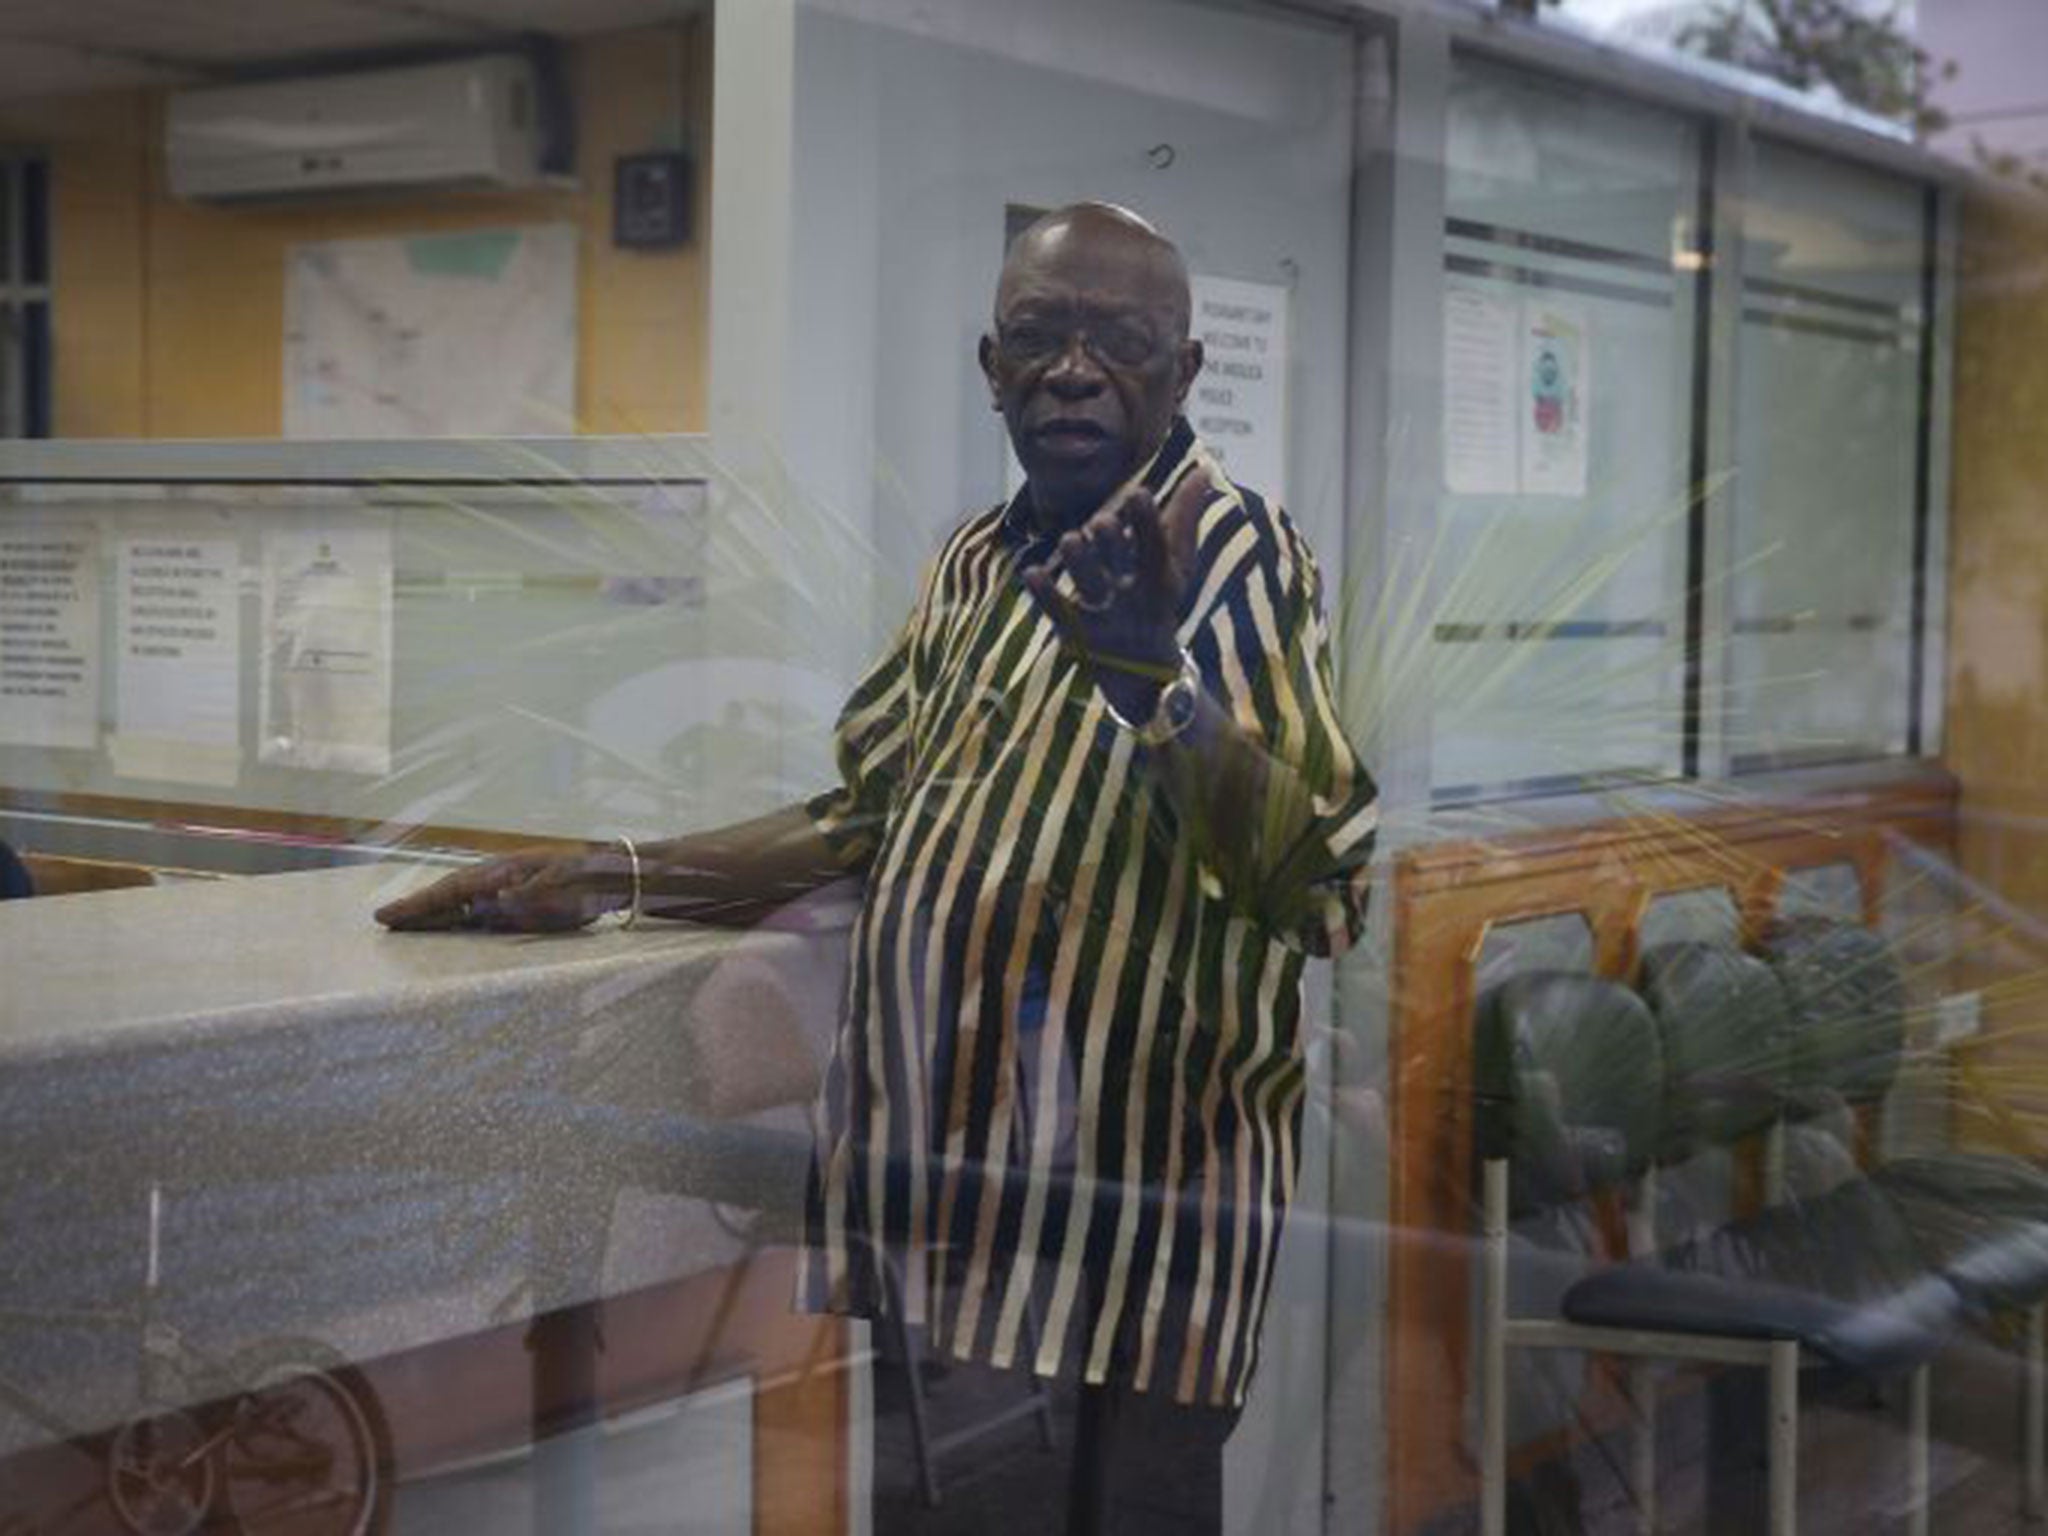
[735, 875]
[1246, 811]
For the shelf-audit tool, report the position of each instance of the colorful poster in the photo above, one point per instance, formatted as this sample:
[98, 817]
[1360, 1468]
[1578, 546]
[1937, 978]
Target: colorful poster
[50, 638]
[326, 658]
[1555, 387]
[178, 671]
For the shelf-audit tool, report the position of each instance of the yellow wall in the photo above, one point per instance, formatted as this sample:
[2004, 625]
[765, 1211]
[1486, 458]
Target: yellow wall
[169, 316]
[1997, 731]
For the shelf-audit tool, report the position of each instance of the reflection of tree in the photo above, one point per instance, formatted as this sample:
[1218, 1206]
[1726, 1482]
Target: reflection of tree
[1862, 51]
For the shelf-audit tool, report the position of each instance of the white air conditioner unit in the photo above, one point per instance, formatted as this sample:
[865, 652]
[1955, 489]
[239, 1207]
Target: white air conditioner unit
[467, 123]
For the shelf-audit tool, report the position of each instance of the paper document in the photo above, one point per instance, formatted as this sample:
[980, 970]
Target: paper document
[50, 638]
[1517, 394]
[1479, 395]
[1239, 400]
[178, 692]
[326, 683]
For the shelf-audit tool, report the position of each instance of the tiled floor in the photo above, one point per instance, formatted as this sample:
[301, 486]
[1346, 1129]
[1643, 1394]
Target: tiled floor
[684, 1470]
[1853, 1471]
[674, 1473]
[679, 1469]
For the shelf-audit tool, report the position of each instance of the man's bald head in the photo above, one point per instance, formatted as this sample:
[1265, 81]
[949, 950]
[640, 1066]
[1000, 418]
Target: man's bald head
[1106, 226]
[1089, 359]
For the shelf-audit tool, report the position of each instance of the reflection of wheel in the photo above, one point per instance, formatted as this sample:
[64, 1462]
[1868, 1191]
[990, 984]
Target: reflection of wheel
[160, 1474]
[307, 1451]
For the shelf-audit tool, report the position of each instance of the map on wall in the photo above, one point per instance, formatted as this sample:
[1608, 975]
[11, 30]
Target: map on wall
[471, 334]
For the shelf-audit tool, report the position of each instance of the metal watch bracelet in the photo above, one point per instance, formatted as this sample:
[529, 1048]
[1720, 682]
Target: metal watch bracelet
[1174, 710]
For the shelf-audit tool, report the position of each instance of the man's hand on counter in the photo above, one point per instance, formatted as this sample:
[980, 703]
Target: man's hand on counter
[729, 877]
[533, 891]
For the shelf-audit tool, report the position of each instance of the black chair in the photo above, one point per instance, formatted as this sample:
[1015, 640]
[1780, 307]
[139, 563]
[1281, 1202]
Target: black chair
[1981, 1218]
[1583, 1087]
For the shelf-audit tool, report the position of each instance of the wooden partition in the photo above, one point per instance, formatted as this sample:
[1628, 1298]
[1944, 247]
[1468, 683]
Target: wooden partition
[1448, 898]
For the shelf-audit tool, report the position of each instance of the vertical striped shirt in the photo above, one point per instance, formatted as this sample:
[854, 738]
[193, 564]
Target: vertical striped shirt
[1064, 1105]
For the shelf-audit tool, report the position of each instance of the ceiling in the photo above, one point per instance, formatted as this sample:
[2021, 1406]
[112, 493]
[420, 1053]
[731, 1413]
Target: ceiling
[53, 47]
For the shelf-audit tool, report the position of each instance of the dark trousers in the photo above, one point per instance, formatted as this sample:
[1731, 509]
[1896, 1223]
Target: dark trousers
[1123, 1463]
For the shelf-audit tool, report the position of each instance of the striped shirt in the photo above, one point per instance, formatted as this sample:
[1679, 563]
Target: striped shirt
[1064, 1105]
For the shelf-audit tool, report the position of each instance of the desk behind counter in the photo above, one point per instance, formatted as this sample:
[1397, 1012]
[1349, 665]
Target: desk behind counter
[385, 1142]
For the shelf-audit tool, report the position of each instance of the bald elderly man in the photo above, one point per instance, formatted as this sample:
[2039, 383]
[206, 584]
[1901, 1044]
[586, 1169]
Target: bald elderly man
[1103, 811]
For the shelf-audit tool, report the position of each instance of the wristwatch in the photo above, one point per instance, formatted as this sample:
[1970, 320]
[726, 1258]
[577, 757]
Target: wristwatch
[1173, 712]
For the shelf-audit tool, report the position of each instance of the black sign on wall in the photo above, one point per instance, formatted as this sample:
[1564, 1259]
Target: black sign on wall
[650, 201]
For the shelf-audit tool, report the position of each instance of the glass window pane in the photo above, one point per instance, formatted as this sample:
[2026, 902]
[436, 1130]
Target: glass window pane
[1559, 636]
[1828, 437]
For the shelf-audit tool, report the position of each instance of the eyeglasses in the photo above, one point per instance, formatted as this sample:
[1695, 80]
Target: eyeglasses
[1113, 343]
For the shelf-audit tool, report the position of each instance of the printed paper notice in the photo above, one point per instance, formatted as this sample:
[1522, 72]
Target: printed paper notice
[1555, 388]
[179, 672]
[49, 638]
[1479, 392]
[1239, 400]
[326, 683]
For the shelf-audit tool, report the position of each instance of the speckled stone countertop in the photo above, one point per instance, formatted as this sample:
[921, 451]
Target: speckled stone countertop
[97, 971]
[372, 1138]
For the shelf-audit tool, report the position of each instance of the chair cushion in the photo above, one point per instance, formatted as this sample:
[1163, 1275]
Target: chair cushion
[1840, 1273]
[1848, 1007]
[1724, 1026]
[1872, 1338]
[1981, 1218]
[1569, 1082]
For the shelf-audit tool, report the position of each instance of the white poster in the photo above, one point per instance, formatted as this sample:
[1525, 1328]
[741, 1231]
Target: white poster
[1556, 384]
[1480, 400]
[50, 638]
[178, 679]
[326, 674]
[470, 334]
[1239, 402]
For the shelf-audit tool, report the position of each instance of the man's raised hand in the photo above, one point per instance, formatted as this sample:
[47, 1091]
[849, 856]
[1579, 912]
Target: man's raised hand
[1128, 568]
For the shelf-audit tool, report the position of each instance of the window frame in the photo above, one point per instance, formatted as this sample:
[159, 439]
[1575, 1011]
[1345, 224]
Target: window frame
[25, 295]
[1421, 48]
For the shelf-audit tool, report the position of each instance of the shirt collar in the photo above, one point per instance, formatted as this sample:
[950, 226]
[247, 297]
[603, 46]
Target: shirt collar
[1020, 527]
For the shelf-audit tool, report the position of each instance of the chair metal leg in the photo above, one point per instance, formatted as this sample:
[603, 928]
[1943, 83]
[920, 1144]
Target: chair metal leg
[904, 1340]
[1035, 1388]
[2035, 1423]
[1642, 1390]
[1917, 1451]
[1784, 1422]
[1493, 1383]
[1642, 1376]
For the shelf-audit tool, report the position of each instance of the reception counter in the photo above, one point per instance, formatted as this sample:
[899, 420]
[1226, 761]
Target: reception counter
[303, 1126]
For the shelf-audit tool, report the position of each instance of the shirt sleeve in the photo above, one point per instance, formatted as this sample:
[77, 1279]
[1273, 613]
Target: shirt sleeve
[871, 743]
[1263, 647]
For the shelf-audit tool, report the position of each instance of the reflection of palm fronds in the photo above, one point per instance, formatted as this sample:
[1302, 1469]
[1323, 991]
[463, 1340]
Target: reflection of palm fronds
[796, 581]
[591, 583]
